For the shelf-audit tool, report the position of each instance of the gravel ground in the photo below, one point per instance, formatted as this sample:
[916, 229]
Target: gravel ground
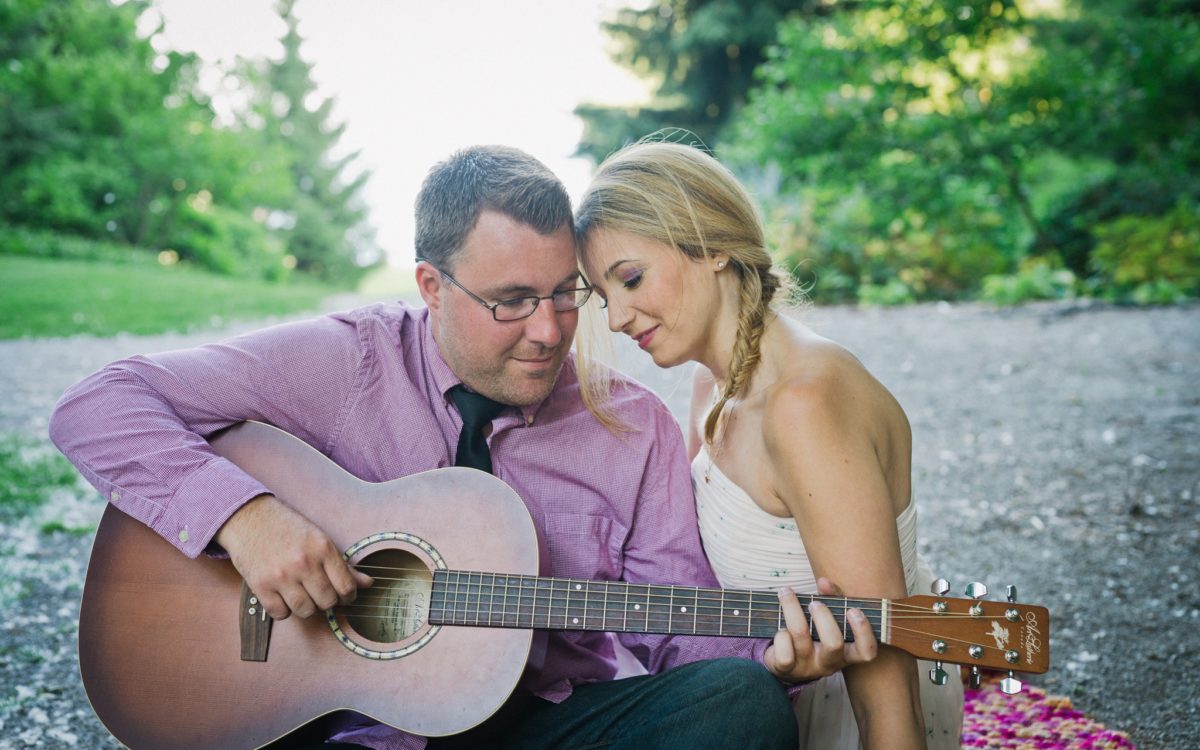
[1056, 447]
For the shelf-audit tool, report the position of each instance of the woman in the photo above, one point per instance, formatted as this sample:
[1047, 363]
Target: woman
[800, 458]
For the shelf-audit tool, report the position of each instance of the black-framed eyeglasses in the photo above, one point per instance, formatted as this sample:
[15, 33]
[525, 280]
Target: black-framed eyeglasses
[517, 308]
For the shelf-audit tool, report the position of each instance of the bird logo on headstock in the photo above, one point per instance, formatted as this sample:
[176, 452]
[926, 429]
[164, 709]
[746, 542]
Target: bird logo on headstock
[1000, 634]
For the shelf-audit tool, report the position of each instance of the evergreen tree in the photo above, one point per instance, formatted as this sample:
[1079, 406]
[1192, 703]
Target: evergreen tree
[325, 227]
[700, 53]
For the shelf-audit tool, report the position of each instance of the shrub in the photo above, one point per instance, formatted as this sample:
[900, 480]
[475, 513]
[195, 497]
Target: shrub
[1037, 278]
[1150, 259]
[892, 292]
[39, 243]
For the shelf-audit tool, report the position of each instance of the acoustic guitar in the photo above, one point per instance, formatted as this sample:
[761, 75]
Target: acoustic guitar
[178, 653]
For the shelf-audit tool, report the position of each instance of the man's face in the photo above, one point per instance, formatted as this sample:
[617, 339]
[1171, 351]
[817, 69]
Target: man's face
[514, 362]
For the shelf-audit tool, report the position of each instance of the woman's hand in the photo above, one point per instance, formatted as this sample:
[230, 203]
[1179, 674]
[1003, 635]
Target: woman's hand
[795, 657]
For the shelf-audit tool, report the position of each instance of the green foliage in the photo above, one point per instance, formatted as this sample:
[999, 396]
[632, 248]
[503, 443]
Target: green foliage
[935, 144]
[67, 297]
[1132, 191]
[1150, 259]
[892, 292]
[701, 54]
[325, 223]
[32, 243]
[834, 241]
[222, 240]
[1036, 279]
[104, 138]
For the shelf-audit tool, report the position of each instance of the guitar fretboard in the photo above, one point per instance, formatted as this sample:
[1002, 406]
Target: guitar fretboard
[513, 601]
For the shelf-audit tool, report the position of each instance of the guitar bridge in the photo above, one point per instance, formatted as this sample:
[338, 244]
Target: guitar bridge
[255, 626]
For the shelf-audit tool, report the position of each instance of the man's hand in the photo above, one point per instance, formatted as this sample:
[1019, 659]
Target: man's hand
[795, 657]
[291, 565]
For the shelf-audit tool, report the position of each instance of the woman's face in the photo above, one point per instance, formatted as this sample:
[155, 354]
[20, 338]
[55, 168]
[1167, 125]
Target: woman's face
[663, 300]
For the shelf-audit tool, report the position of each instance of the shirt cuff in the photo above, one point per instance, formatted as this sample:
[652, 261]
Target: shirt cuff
[204, 502]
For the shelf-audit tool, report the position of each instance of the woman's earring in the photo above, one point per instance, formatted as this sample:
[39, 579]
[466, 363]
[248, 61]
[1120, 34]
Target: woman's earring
[720, 264]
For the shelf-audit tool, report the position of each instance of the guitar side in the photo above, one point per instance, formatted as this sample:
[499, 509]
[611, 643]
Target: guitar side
[159, 635]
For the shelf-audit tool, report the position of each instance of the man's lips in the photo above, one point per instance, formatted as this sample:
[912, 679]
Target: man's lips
[536, 361]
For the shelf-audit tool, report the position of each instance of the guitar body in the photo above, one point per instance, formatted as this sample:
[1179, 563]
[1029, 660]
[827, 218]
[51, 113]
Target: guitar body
[160, 635]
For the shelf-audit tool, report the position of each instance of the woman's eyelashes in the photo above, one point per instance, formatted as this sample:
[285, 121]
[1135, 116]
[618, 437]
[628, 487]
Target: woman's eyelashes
[632, 278]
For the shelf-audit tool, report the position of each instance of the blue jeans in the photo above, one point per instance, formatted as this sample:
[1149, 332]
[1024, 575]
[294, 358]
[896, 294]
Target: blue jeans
[722, 703]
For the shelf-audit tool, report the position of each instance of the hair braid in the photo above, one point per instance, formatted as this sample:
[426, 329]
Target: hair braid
[758, 287]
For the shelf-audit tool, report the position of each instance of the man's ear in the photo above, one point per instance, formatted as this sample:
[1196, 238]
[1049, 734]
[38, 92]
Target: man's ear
[429, 284]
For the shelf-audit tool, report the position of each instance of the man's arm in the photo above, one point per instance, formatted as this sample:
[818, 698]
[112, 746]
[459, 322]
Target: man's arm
[136, 430]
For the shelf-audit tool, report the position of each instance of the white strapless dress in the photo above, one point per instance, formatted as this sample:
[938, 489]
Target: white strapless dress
[752, 549]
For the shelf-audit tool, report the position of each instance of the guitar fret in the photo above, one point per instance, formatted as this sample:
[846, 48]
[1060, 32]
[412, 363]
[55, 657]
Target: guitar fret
[604, 609]
[492, 599]
[625, 611]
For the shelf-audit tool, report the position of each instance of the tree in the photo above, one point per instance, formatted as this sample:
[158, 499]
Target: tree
[325, 228]
[923, 138]
[103, 137]
[702, 55]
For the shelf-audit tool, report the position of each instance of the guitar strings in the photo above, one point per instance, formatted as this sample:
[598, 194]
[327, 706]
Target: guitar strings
[612, 627]
[481, 608]
[895, 605]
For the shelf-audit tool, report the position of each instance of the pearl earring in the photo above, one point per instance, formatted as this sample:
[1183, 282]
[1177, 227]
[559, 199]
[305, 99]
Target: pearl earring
[720, 264]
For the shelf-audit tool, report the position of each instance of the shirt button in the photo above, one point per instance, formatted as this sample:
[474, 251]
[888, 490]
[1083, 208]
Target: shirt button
[183, 536]
[115, 496]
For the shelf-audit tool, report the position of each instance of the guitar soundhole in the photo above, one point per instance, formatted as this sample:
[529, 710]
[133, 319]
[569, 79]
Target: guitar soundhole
[397, 606]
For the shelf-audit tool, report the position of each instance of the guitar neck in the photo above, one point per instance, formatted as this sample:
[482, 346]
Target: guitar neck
[516, 601]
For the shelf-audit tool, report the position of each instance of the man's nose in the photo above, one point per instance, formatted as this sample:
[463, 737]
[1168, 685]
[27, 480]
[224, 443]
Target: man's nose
[543, 326]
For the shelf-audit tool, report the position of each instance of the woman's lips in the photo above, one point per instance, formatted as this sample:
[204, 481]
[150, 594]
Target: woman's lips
[643, 339]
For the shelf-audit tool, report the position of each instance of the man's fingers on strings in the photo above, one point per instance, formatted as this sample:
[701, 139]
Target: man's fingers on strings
[345, 582]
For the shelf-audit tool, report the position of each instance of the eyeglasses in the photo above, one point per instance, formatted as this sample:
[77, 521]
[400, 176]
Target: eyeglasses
[517, 308]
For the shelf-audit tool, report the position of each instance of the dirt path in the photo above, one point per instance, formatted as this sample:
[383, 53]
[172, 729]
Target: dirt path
[1056, 447]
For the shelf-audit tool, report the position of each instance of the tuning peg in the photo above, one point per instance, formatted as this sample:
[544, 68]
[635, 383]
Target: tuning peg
[1011, 591]
[940, 587]
[976, 591]
[937, 675]
[1010, 685]
[976, 679]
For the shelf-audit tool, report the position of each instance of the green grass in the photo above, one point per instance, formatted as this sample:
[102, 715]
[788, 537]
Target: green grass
[56, 297]
[390, 283]
[30, 472]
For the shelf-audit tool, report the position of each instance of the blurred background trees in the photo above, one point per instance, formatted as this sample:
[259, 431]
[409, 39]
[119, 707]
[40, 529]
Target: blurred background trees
[110, 147]
[927, 149]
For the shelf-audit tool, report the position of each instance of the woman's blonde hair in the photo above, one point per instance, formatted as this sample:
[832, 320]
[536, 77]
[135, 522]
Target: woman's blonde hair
[683, 197]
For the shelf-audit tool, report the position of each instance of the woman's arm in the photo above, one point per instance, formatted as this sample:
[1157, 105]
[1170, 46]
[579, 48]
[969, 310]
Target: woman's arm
[823, 433]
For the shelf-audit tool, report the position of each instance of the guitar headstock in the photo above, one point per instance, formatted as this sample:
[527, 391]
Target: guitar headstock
[974, 632]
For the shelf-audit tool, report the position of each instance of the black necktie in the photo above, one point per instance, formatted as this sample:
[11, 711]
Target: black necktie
[477, 412]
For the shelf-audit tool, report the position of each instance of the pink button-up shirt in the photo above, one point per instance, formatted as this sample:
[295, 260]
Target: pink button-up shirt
[368, 389]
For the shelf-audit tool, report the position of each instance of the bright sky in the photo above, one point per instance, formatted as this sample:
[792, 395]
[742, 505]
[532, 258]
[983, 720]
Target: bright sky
[415, 80]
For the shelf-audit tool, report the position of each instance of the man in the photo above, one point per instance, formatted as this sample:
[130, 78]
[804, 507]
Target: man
[380, 391]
